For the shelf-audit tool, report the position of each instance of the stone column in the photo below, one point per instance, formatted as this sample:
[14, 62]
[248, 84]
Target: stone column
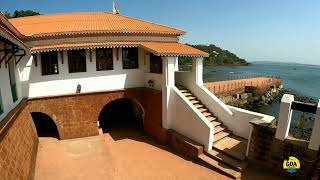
[197, 70]
[314, 143]
[168, 80]
[285, 115]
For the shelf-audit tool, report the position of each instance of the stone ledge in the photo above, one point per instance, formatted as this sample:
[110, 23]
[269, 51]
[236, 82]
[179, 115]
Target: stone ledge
[184, 145]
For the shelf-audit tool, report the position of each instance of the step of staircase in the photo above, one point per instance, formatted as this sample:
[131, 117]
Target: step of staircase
[232, 146]
[184, 90]
[212, 118]
[221, 135]
[218, 129]
[214, 164]
[221, 157]
[195, 101]
[206, 114]
[187, 94]
[202, 110]
[199, 106]
[215, 123]
[191, 98]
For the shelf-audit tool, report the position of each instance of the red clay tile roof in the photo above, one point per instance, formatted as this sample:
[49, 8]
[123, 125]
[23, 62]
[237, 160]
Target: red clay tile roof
[172, 49]
[89, 22]
[7, 34]
[158, 48]
[6, 23]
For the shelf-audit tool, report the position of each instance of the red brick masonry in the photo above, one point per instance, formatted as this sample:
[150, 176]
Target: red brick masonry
[233, 86]
[18, 145]
[77, 115]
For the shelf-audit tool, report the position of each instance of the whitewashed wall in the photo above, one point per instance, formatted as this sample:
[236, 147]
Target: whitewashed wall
[236, 119]
[187, 120]
[5, 89]
[36, 85]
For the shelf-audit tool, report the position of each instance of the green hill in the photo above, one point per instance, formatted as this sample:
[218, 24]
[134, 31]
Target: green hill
[217, 57]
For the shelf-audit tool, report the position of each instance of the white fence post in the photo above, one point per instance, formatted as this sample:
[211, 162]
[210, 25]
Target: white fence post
[284, 117]
[314, 143]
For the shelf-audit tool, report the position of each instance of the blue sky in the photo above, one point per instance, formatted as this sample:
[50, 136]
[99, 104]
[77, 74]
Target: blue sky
[272, 30]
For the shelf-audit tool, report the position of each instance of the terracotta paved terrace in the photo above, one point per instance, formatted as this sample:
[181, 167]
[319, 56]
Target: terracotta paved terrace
[120, 154]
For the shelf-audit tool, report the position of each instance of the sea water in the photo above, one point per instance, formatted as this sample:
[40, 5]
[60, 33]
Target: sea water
[298, 79]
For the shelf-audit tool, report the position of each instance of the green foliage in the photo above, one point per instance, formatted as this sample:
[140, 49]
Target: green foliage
[217, 56]
[21, 13]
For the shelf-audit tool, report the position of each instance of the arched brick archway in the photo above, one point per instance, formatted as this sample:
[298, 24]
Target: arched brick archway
[77, 115]
[121, 113]
[45, 125]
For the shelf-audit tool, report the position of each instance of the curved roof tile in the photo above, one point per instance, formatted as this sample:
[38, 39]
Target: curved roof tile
[88, 22]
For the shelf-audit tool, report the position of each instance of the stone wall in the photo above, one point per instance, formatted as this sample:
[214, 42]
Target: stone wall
[268, 152]
[77, 115]
[18, 145]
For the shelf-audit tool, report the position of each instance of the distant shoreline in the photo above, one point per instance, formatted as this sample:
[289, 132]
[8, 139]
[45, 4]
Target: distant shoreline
[219, 65]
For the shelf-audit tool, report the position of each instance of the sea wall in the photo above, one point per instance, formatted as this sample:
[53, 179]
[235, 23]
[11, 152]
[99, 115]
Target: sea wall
[18, 144]
[244, 92]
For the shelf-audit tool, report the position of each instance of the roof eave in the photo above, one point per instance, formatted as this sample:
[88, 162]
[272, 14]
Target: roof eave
[103, 32]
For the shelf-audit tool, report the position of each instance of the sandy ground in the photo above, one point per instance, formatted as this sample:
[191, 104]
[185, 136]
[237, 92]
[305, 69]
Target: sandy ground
[119, 155]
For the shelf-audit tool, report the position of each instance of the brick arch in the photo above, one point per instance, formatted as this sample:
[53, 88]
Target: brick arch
[76, 115]
[44, 123]
[135, 107]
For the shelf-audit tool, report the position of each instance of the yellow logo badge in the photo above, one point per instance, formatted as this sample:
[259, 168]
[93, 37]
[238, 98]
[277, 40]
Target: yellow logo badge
[292, 164]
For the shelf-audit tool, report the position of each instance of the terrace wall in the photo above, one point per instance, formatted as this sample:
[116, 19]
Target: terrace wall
[18, 144]
[77, 115]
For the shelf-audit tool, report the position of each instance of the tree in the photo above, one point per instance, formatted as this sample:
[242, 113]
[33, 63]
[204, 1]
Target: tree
[217, 56]
[21, 13]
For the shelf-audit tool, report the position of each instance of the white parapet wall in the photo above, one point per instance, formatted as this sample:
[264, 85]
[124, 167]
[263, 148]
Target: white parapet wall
[187, 120]
[285, 115]
[284, 122]
[236, 119]
[315, 135]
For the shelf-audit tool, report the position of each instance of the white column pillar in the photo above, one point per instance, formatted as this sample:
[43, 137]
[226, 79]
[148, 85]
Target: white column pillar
[285, 115]
[168, 82]
[197, 70]
[176, 65]
[314, 143]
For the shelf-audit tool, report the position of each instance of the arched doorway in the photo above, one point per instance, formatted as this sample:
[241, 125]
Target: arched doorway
[121, 113]
[45, 125]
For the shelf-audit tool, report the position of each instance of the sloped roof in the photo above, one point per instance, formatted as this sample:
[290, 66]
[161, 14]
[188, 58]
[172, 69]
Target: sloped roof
[8, 32]
[158, 48]
[87, 22]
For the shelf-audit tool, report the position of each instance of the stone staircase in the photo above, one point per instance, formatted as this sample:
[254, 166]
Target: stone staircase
[228, 151]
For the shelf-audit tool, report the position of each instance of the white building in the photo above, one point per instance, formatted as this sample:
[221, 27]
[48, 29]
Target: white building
[85, 53]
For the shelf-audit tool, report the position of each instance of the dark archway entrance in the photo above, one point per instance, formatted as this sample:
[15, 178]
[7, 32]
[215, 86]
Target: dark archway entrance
[121, 113]
[45, 125]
